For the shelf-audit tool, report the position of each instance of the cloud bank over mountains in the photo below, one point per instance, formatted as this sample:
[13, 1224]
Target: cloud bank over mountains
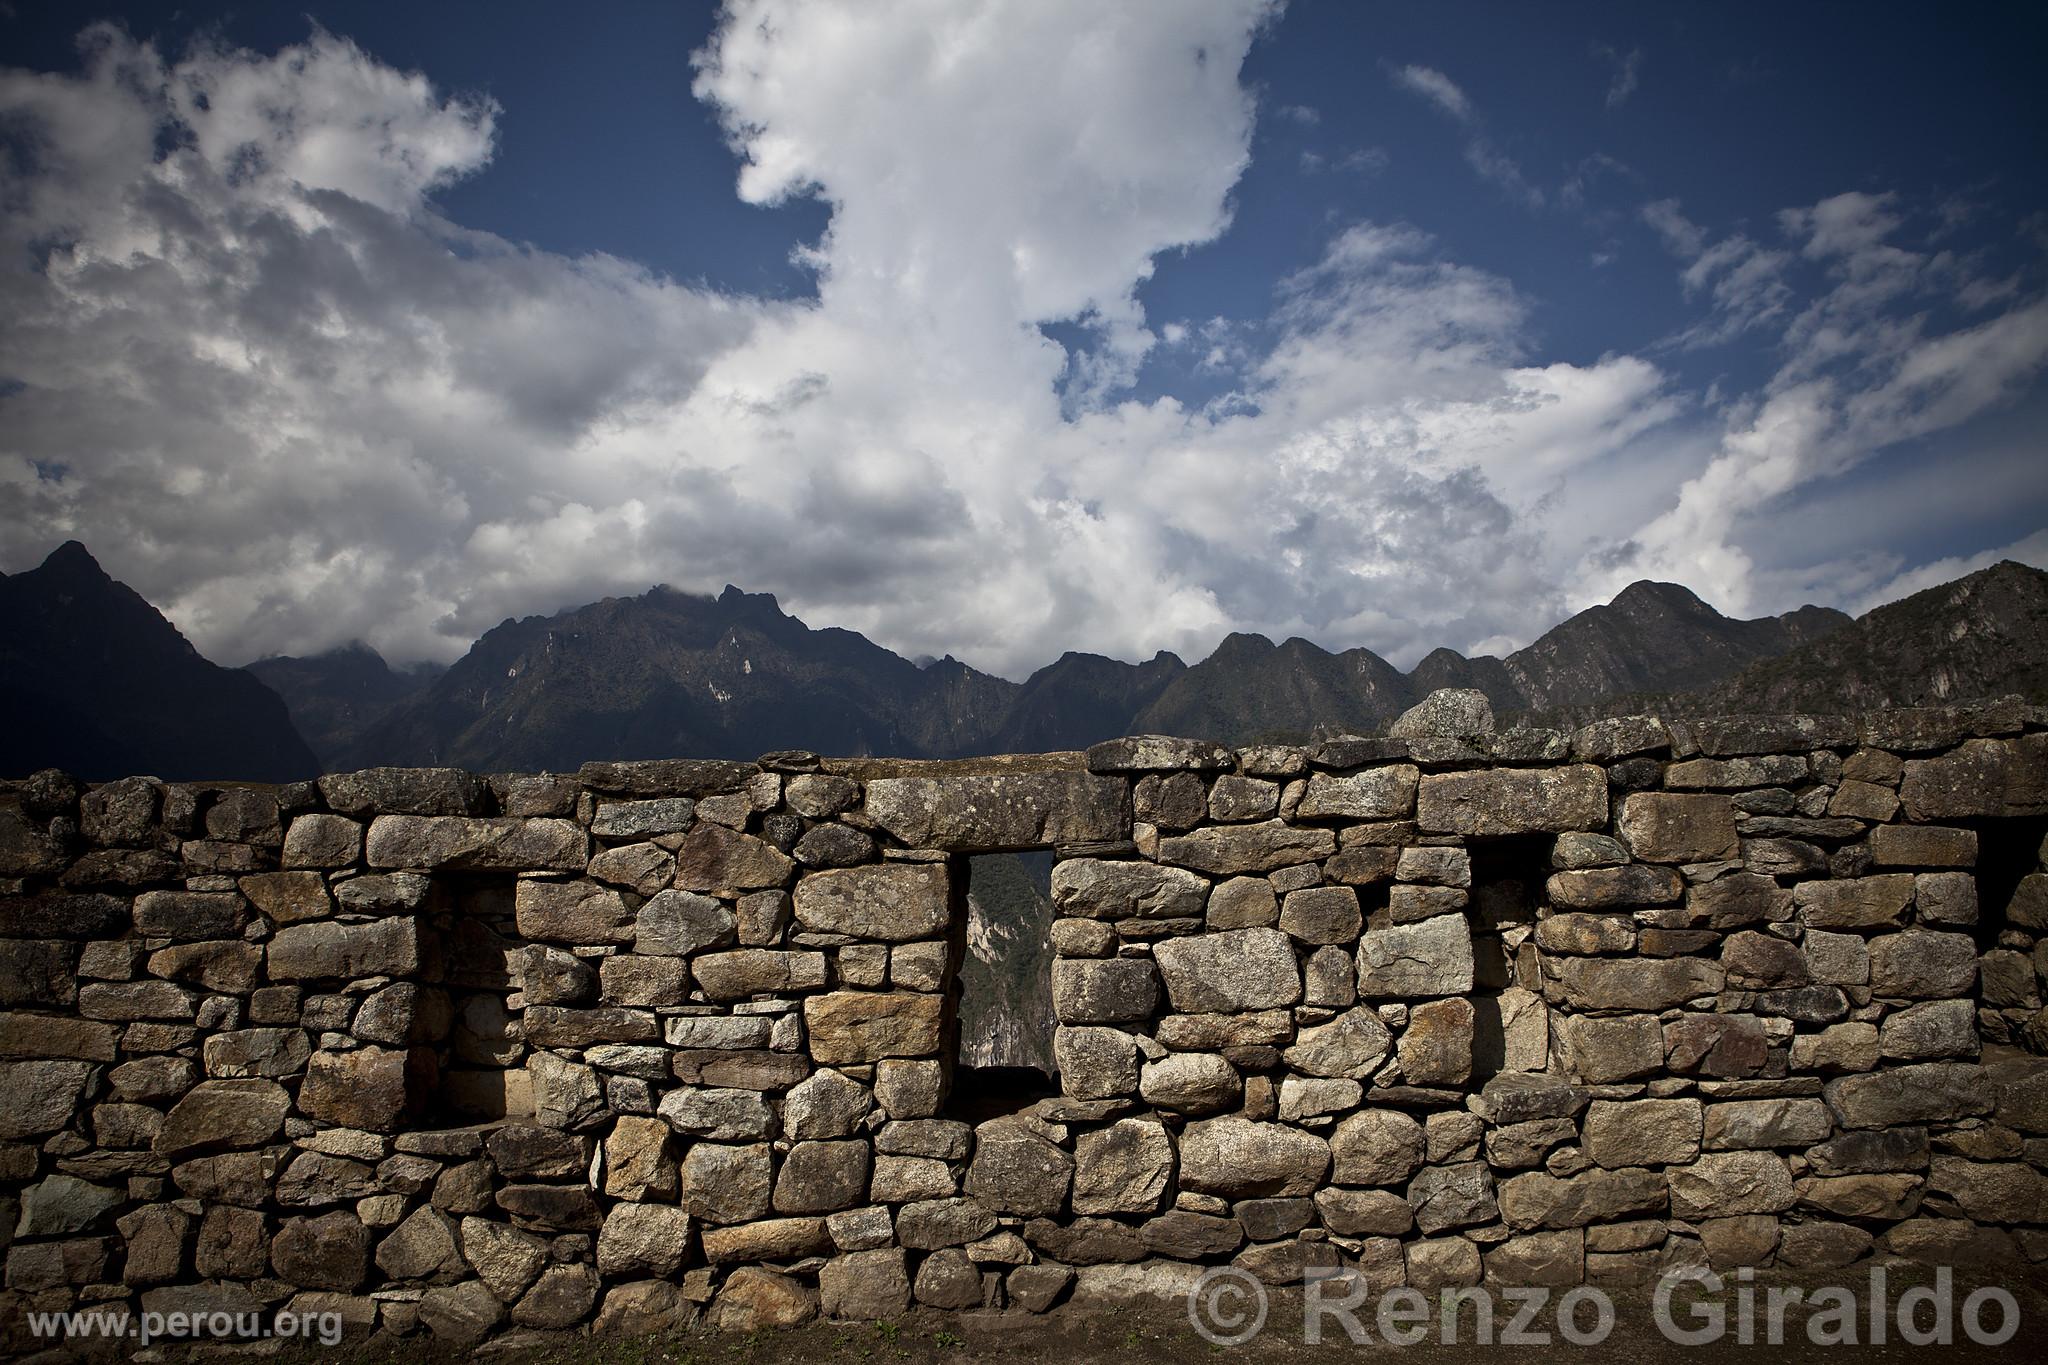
[244, 347]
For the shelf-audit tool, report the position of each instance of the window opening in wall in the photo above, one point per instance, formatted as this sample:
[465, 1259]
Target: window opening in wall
[481, 1053]
[1004, 1061]
[2012, 967]
[1508, 875]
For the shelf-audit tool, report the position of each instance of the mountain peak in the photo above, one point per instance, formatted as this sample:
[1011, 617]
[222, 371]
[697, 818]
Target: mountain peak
[1649, 594]
[1243, 644]
[73, 560]
[735, 599]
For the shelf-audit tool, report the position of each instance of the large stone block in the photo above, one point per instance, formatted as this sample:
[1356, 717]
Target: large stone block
[1588, 983]
[1540, 1200]
[49, 915]
[714, 858]
[328, 1252]
[1353, 1045]
[1232, 850]
[1922, 964]
[1642, 1132]
[822, 1177]
[326, 950]
[1727, 1184]
[495, 843]
[1981, 777]
[856, 1027]
[404, 791]
[1108, 991]
[893, 902]
[757, 971]
[1241, 1159]
[1930, 1092]
[1513, 801]
[864, 1286]
[1096, 888]
[1191, 1083]
[1233, 972]
[1413, 960]
[666, 776]
[1157, 753]
[643, 1239]
[1386, 793]
[679, 923]
[1331, 914]
[997, 812]
[219, 1115]
[1095, 1063]
[42, 1095]
[1453, 1196]
[1016, 1170]
[1855, 902]
[1601, 1050]
[1125, 1168]
[372, 1088]
[1673, 827]
[1605, 888]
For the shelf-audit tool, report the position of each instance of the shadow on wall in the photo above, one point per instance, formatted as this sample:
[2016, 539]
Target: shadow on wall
[484, 968]
[2012, 908]
[1507, 885]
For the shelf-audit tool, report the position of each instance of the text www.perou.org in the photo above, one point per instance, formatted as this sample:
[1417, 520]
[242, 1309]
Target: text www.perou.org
[147, 1327]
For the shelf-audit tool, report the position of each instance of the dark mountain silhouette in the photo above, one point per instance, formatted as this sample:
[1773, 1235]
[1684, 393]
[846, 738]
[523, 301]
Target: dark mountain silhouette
[1253, 689]
[1985, 635]
[333, 696]
[1653, 637]
[668, 673]
[98, 682]
[1083, 699]
[94, 680]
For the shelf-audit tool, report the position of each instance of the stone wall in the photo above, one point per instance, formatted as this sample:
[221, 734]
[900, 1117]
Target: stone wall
[534, 1052]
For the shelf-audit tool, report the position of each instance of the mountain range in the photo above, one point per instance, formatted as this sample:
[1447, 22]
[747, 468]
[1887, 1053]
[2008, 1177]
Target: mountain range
[97, 681]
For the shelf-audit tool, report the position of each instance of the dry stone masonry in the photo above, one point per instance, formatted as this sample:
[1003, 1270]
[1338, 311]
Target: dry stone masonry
[464, 1056]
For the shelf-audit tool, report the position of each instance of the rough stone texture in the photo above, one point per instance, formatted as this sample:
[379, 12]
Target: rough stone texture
[1376, 1147]
[1374, 794]
[1240, 1159]
[1669, 827]
[1233, 850]
[1120, 990]
[866, 1026]
[1642, 1132]
[1239, 970]
[1513, 801]
[1094, 888]
[1126, 1168]
[1410, 960]
[713, 858]
[990, 813]
[865, 1286]
[892, 903]
[1309, 1008]
[1017, 1170]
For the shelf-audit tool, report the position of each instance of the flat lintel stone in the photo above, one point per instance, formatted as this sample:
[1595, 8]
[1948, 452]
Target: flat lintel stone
[999, 812]
[1158, 753]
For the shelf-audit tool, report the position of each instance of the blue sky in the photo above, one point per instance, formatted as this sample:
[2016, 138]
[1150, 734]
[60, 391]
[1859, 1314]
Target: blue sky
[1030, 327]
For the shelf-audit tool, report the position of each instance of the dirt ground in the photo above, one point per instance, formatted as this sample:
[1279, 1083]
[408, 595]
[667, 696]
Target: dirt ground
[1149, 1332]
